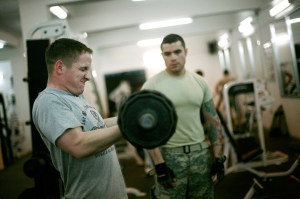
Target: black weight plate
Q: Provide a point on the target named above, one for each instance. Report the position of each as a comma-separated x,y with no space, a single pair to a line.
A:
147,101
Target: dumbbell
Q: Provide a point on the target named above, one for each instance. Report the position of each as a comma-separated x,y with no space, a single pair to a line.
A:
147,119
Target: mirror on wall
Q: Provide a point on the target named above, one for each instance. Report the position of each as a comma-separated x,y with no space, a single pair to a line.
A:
294,21
286,42
249,53
249,48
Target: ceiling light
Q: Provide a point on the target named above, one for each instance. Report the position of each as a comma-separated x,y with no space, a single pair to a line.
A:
223,41
149,42
2,43
279,8
246,27
246,21
59,11
295,20
166,23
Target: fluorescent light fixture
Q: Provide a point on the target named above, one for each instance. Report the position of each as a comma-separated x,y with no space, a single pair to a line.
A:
246,27
296,20
166,23
223,41
246,21
279,8
2,43
84,35
59,11
149,42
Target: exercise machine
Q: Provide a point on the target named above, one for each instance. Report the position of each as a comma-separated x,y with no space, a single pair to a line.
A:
5,136
244,135
245,140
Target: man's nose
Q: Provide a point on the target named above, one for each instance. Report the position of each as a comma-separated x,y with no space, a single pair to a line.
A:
88,76
173,56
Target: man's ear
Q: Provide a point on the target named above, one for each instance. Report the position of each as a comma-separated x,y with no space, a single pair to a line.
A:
58,66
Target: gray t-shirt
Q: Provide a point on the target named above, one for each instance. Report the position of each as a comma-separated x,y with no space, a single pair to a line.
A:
96,176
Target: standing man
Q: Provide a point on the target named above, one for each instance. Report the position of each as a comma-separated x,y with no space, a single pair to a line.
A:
220,85
80,141
184,166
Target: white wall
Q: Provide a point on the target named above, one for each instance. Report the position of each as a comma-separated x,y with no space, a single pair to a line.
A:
131,57
19,71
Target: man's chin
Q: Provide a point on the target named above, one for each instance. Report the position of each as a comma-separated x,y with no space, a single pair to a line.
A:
79,92
176,70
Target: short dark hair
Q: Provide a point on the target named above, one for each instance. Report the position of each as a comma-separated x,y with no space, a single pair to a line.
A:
200,72
226,72
172,38
65,49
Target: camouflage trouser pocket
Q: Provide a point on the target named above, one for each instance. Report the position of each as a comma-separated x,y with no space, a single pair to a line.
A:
192,172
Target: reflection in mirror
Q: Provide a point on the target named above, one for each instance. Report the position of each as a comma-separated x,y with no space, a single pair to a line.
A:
249,49
294,21
224,52
250,59
284,34
245,51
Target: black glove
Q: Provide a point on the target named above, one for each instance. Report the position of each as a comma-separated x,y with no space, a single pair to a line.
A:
165,175
218,167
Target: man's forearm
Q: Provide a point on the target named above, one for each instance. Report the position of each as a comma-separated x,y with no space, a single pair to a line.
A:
156,155
111,121
216,136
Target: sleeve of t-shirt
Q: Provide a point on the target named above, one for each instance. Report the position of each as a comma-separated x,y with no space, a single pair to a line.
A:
207,93
147,86
52,116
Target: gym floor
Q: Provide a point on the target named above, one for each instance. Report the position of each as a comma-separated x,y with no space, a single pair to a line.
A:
234,186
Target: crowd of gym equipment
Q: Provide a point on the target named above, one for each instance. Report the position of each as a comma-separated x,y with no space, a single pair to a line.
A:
5,135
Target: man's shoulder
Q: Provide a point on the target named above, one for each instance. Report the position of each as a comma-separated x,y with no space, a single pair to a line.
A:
196,77
154,79
50,95
159,75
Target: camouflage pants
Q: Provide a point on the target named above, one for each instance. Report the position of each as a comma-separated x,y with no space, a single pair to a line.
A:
193,177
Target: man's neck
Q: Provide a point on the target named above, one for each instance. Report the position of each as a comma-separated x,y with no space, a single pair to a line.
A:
177,74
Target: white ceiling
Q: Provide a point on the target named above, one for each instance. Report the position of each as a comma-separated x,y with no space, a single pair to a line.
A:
116,21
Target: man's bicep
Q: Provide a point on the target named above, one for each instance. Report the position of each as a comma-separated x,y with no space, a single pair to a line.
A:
68,139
